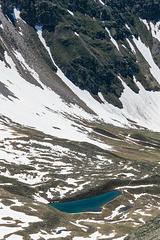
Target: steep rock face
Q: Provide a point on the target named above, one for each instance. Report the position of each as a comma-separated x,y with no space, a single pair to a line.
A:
89,41
28,45
111,53
149,231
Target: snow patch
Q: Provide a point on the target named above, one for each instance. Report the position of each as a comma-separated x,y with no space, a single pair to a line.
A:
96,235
112,39
128,27
70,12
131,46
60,233
76,34
155,30
136,196
146,53
1,26
16,14
22,218
14,237
38,198
50,107
145,23
102,2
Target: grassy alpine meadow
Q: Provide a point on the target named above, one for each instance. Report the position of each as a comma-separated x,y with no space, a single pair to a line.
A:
76,170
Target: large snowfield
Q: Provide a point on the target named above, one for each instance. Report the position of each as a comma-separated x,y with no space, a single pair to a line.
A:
42,109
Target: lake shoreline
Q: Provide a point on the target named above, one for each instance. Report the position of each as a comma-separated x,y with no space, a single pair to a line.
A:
92,204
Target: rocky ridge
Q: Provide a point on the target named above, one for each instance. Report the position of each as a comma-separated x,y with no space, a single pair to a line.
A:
80,36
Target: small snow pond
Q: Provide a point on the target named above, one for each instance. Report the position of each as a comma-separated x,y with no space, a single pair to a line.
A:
92,204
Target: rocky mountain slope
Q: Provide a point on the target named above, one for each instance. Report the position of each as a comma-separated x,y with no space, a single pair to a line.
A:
79,116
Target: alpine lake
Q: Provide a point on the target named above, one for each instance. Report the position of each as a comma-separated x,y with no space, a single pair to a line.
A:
92,204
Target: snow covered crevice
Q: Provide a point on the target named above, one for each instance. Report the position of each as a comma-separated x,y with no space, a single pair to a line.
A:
131,46
112,39
143,108
155,30
146,53
34,106
102,2
70,12
26,67
145,23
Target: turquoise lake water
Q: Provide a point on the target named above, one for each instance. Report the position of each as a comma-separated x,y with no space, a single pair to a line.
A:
92,204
